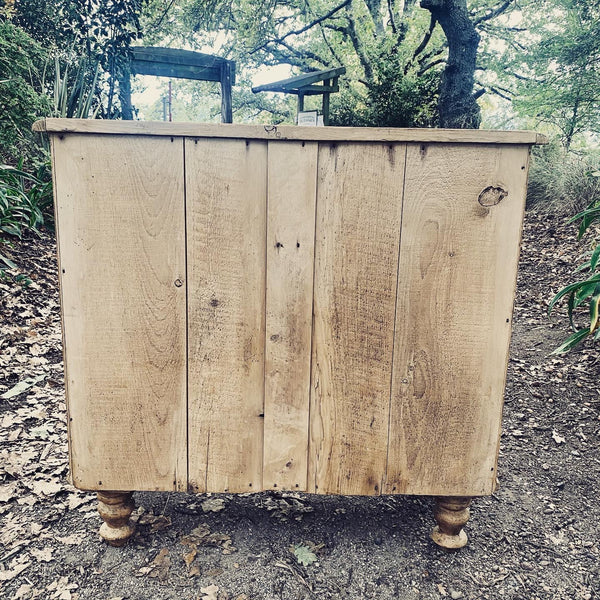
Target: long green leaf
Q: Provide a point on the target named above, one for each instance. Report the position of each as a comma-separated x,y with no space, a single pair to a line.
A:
595,257
571,310
572,341
594,307
584,292
573,287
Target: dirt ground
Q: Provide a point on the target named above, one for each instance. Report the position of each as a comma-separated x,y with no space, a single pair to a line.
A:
536,538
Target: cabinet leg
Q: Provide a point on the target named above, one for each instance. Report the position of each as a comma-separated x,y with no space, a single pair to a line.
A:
451,515
115,508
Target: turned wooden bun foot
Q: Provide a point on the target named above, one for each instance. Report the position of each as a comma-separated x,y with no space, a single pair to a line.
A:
451,515
115,508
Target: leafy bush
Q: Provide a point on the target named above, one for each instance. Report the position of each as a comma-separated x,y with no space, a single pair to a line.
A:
25,204
561,182
586,290
25,198
22,96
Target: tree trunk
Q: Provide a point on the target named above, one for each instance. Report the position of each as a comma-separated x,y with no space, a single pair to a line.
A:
457,106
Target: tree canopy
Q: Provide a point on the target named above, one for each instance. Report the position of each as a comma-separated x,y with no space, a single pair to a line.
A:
408,62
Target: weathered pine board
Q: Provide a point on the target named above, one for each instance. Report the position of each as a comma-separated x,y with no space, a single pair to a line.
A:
458,264
290,132
121,233
226,188
359,206
292,173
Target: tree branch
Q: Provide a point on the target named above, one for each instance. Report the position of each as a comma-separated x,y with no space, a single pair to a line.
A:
305,28
426,38
430,65
491,14
322,29
359,48
162,17
391,17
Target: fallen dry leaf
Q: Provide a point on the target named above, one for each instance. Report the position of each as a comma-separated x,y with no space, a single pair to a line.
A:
71,540
213,505
156,522
18,565
189,557
44,555
26,592
159,567
210,592
61,589
22,386
8,491
47,487
201,536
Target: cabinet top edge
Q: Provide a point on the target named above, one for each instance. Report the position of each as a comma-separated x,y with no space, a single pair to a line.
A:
288,132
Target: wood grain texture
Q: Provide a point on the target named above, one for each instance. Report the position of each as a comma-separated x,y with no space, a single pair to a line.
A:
120,215
359,204
290,132
458,265
226,187
290,257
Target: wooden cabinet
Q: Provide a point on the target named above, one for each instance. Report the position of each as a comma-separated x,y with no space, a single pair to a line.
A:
318,309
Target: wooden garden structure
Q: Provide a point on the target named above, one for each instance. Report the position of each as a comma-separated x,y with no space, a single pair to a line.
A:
315,83
324,310
184,64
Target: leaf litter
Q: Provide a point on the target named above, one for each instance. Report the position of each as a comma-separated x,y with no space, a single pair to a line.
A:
539,517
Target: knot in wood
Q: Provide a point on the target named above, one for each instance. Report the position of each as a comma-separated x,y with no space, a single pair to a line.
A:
492,195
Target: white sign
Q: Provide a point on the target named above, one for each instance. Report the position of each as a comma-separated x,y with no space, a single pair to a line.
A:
307,118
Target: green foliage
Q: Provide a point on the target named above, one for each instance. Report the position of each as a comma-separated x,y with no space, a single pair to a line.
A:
561,182
560,69
389,54
25,204
304,555
25,199
22,93
73,97
585,291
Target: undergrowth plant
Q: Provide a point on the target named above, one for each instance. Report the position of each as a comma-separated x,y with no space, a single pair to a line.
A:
585,291
25,204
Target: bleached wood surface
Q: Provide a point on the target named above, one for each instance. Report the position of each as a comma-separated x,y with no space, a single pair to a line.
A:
330,316
121,241
289,132
226,185
292,169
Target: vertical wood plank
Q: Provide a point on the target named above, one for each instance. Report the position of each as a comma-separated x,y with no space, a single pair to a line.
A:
121,238
290,257
458,265
226,192
359,204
